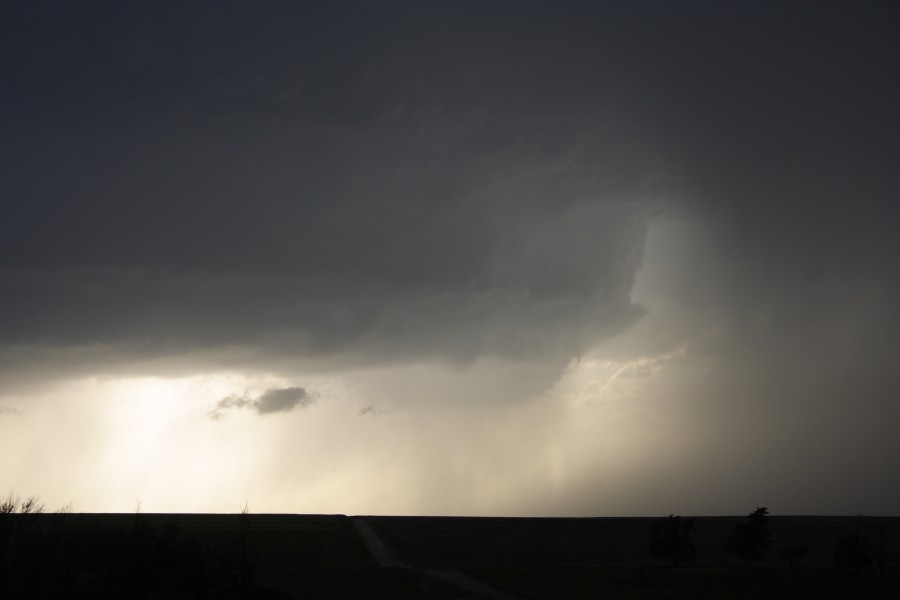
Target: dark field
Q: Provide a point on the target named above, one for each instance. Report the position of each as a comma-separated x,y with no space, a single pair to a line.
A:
319,556
609,557
442,541
197,556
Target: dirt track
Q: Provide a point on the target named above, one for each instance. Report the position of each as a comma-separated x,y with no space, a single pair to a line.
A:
375,545
385,558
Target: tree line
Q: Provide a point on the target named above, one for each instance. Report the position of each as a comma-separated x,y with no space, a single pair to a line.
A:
672,537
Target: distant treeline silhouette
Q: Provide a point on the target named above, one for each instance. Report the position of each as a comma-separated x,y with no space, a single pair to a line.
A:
672,537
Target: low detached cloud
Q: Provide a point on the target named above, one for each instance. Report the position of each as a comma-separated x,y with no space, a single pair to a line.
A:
274,400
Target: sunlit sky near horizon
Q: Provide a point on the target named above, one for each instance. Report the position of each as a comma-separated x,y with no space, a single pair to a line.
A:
459,258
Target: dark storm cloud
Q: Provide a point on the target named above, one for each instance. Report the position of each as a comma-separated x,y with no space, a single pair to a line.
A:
305,187
383,191
431,181
273,400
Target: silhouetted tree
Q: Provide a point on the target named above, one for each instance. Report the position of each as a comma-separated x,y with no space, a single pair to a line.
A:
671,537
750,539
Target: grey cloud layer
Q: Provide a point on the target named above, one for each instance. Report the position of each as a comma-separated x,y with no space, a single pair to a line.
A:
324,204
394,182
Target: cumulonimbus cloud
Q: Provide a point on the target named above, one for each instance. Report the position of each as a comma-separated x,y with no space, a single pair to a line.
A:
399,226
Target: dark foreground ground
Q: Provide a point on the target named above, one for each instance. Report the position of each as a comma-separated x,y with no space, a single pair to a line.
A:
609,557
322,556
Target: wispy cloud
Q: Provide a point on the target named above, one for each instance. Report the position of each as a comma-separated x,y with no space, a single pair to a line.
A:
372,411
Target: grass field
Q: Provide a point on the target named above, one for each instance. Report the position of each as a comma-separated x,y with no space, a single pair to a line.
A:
197,556
443,541
322,556
739,582
562,559
308,541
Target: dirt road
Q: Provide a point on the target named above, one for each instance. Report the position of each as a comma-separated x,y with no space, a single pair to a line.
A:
385,558
375,545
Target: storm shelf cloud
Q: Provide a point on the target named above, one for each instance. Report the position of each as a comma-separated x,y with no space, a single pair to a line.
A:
594,234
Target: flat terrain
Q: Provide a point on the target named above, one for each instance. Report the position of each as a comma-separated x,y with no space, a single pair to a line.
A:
325,556
609,557
198,556
617,541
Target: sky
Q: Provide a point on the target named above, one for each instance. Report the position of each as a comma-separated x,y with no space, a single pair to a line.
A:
451,258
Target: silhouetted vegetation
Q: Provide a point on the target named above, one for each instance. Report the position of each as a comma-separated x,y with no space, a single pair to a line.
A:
670,537
750,540
62,555
241,564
